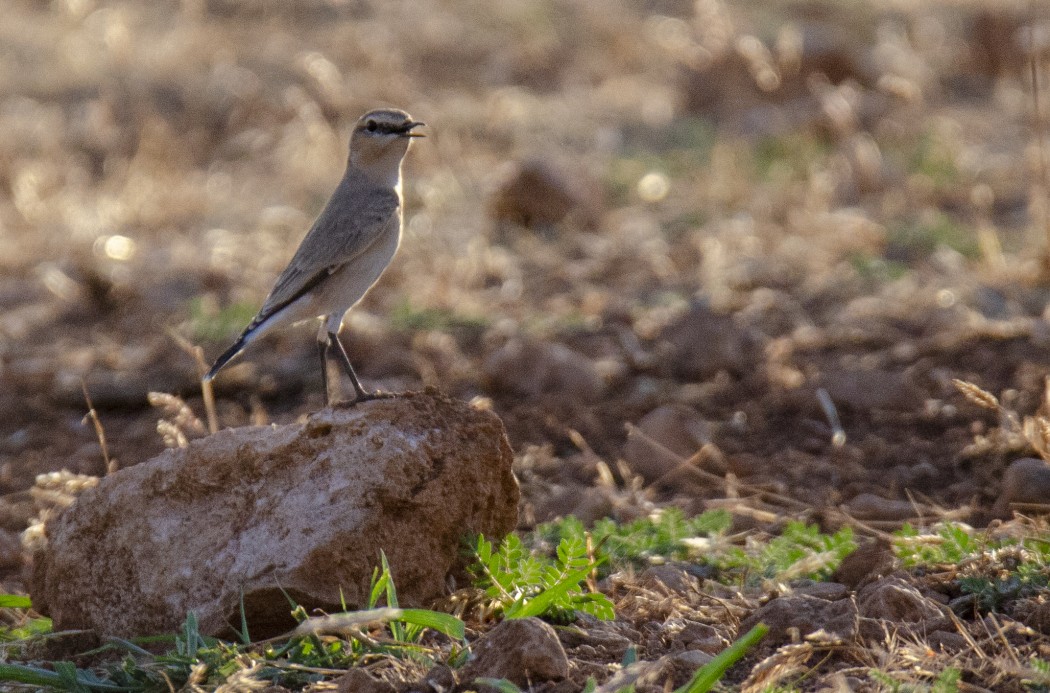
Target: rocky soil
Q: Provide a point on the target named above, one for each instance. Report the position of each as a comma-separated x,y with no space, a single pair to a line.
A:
696,254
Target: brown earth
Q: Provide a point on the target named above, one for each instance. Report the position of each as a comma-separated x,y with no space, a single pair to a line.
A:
761,238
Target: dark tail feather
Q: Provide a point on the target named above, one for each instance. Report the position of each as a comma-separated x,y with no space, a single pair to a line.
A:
229,354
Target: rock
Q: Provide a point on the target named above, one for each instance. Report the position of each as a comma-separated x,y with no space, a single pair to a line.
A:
533,367
828,591
870,561
868,506
806,615
524,651
863,390
947,642
702,342
694,636
669,579
895,600
642,675
306,508
666,437
686,664
537,195
440,679
1026,481
608,640
358,680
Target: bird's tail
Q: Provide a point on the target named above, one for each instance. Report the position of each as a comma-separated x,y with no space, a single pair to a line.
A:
230,353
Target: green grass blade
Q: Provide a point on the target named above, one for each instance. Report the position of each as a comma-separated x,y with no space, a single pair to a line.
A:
35,676
244,635
336,623
446,624
15,601
501,685
543,601
709,674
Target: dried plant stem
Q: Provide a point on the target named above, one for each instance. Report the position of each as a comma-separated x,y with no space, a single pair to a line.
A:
111,464
1044,165
207,393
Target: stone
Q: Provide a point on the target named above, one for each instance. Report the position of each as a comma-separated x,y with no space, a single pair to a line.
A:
524,651
1026,482
642,675
670,434
828,591
868,506
669,579
862,390
358,680
538,195
305,508
702,342
532,367
805,614
869,561
895,600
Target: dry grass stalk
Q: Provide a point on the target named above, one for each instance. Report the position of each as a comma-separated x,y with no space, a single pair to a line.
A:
207,392
982,398
179,424
786,662
100,432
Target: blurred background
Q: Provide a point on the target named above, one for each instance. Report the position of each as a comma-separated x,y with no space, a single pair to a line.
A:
676,246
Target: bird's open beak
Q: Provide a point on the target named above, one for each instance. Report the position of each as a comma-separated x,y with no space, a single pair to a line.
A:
409,133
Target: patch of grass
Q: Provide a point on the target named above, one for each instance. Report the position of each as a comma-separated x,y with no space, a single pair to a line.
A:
789,157
994,571
319,649
801,551
521,583
408,318
946,682
951,543
877,268
702,681
933,158
659,538
924,238
209,323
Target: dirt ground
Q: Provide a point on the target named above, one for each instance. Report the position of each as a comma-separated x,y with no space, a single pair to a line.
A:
716,254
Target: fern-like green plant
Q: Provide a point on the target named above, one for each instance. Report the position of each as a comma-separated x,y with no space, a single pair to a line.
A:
521,584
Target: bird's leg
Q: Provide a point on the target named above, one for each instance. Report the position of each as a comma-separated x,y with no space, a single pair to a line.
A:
322,349
362,395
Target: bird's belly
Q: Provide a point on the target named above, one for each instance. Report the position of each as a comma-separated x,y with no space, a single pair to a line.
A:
348,285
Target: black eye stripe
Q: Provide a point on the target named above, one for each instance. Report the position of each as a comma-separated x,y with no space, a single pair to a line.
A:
388,128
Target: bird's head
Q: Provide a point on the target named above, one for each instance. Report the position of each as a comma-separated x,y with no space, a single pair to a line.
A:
381,138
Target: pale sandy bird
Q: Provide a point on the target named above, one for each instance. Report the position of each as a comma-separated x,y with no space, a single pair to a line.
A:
348,246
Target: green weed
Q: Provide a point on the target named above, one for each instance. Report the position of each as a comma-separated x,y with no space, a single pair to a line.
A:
946,682
922,239
801,551
209,323
661,537
318,648
522,584
407,318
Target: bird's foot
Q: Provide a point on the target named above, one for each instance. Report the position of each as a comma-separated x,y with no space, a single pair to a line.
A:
363,396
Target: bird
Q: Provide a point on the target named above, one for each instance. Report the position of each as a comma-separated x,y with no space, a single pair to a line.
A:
349,245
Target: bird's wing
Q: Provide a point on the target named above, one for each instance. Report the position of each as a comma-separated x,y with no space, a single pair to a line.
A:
348,226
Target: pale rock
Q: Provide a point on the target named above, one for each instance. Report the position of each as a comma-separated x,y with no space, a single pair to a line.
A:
523,651
304,508
1026,482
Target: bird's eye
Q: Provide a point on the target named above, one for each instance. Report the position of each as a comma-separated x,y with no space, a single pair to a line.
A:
371,126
